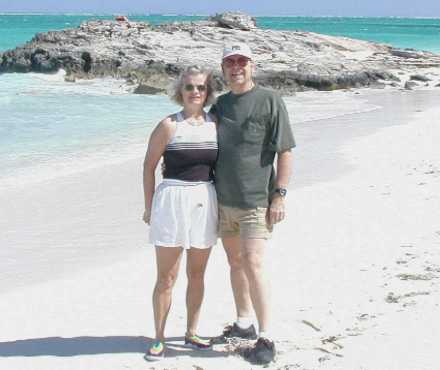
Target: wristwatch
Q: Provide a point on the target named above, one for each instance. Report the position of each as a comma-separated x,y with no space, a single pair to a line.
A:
281,191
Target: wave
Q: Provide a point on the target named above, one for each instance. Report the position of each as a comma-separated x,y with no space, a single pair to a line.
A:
41,84
335,115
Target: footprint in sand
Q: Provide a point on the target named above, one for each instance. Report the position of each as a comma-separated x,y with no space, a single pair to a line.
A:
394,298
428,276
432,268
365,317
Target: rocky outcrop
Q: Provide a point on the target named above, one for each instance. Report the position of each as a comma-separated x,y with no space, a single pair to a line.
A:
409,85
150,57
420,78
238,20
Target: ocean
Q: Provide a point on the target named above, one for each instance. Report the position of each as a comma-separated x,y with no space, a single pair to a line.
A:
50,128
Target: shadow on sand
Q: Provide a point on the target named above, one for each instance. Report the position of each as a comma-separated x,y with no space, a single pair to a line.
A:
77,346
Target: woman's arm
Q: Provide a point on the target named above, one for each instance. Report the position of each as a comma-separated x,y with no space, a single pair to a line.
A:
157,143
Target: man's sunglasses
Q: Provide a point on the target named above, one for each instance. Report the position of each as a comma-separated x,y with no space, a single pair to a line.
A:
230,62
191,87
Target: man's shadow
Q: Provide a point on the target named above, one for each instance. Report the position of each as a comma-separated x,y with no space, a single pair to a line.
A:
77,346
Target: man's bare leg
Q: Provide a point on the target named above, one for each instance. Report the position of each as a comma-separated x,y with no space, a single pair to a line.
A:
239,281
252,259
197,260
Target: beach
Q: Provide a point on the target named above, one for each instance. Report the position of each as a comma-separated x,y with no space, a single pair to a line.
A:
353,269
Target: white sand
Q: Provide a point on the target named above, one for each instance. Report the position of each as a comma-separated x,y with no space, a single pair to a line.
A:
363,225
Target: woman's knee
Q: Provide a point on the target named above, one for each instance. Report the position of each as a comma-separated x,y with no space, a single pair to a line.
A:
166,282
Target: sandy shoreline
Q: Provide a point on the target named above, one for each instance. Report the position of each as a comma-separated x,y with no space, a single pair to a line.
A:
354,270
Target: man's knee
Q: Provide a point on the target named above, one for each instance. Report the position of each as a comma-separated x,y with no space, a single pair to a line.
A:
233,253
235,261
195,275
253,257
253,263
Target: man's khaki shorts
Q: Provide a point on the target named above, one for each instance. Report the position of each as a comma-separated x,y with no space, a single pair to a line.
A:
248,223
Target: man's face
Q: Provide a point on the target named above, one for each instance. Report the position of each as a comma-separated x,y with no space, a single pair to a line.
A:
237,70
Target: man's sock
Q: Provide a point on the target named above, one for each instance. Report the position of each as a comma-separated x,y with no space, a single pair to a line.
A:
244,322
264,334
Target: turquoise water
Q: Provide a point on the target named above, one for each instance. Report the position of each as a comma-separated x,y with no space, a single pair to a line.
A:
423,34
50,128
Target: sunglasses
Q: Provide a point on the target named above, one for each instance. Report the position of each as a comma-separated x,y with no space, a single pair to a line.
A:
191,87
241,62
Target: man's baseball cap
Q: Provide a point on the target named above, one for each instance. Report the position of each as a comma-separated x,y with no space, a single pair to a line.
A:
238,48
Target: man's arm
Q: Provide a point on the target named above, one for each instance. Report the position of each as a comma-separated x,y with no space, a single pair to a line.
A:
284,170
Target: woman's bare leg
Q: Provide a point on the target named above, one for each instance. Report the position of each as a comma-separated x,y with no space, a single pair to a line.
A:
168,261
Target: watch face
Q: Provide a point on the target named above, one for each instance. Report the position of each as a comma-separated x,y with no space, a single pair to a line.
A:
282,192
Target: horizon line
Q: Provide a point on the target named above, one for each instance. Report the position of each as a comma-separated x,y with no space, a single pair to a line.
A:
91,14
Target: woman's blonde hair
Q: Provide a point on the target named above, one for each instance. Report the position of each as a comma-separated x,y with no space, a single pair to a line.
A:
176,90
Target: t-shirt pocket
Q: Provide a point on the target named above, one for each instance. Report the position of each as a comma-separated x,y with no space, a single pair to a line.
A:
254,132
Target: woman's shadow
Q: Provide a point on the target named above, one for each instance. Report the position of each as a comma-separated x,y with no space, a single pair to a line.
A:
77,346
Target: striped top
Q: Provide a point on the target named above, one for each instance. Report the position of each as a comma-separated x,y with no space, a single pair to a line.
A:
192,152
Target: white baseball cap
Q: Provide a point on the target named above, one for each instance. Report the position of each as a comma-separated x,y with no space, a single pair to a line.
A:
238,48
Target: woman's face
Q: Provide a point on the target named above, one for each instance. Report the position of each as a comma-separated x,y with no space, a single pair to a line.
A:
194,90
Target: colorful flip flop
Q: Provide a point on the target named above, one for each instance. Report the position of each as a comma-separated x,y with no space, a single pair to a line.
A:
195,342
156,352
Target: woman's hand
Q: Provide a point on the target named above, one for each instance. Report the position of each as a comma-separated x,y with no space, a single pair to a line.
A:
146,217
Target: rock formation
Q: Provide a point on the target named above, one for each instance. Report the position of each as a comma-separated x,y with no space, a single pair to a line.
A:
149,57
238,20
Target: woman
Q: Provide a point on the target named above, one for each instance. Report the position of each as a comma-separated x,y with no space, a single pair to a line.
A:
182,211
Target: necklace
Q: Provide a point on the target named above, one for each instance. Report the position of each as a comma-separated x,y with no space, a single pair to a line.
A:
195,121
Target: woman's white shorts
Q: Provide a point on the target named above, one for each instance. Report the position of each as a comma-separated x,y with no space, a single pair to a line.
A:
184,215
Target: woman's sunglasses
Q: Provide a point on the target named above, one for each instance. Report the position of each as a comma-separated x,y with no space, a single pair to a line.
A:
191,87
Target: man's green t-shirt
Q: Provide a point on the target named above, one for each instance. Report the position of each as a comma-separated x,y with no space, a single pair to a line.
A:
252,127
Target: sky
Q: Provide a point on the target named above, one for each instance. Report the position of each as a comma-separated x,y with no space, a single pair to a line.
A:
367,8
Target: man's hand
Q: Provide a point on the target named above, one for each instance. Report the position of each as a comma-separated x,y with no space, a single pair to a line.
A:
146,217
276,210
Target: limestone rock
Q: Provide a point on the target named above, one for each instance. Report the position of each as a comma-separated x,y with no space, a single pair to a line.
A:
408,53
69,78
150,90
236,20
409,85
419,78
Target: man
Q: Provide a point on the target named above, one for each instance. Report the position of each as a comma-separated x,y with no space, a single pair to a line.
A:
253,128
